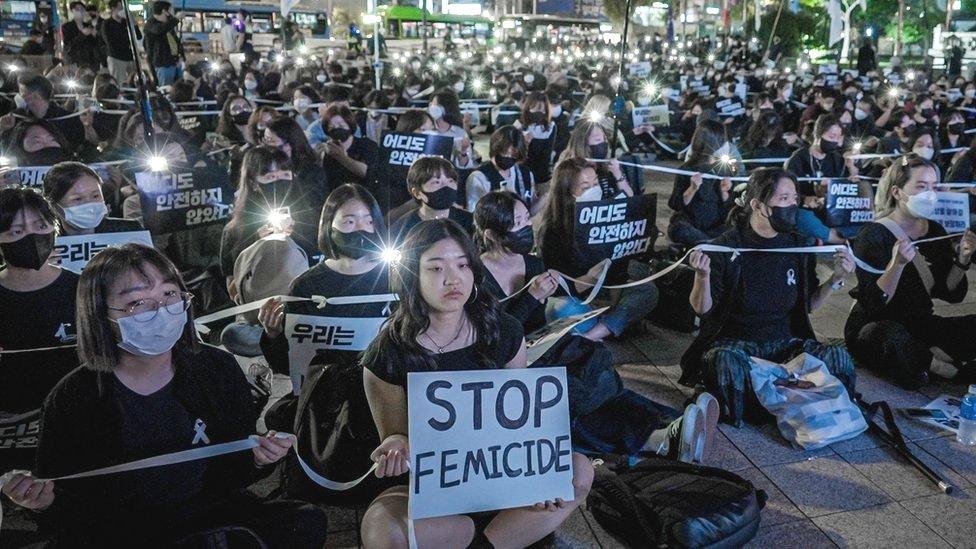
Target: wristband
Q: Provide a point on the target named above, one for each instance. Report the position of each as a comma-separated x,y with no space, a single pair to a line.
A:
963,266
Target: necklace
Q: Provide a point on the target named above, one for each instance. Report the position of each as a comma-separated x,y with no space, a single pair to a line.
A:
440,348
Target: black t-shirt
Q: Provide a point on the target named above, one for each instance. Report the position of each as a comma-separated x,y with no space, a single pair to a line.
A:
406,222
153,425
508,345
803,164
362,150
323,281
767,292
34,320
522,307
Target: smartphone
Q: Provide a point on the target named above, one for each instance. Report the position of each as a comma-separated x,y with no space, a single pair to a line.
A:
924,413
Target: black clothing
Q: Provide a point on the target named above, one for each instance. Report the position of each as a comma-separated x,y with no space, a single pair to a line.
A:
31,47
118,225
323,281
707,211
523,307
865,60
726,288
803,164
767,293
509,343
402,226
363,150
115,35
157,42
523,179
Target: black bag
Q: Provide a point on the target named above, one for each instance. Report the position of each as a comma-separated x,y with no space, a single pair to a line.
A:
673,309
336,436
661,502
590,375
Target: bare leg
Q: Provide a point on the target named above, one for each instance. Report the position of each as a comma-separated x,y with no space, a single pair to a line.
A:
525,526
385,525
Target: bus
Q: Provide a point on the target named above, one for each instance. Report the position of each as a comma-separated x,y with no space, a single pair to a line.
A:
406,22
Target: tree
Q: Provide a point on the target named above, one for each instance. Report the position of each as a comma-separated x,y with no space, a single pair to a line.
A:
615,9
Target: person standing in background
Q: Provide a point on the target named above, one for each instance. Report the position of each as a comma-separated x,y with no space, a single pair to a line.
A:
115,35
162,46
866,60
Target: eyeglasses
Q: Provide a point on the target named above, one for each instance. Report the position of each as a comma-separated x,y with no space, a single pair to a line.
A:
173,302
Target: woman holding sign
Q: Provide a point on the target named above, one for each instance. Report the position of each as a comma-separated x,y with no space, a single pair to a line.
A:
76,192
588,140
893,325
445,323
37,311
148,388
758,304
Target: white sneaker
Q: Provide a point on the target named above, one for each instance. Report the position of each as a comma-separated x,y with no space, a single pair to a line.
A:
709,406
686,434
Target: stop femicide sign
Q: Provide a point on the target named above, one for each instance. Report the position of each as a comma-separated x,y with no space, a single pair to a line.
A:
482,440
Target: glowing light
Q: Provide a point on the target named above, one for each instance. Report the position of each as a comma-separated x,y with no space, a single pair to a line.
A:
856,147
805,66
71,84
477,84
434,67
390,255
594,116
615,81
158,164
300,61
893,92
910,75
725,159
4,161
649,89
303,49
13,68
279,58
397,71
279,219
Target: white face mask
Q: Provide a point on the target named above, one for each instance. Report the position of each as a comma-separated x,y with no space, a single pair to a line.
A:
321,78
302,104
459,86
860,114
970,93
528,78
557,110
412,91
436,112
153,337
787,93
593,194
86,216
925,152
643,101
415,66
250,85
20,102
922,204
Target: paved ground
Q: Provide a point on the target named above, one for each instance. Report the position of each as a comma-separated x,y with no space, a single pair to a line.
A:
858,493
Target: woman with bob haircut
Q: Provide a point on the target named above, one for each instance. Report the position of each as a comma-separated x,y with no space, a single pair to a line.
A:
445,322
146,387
75,191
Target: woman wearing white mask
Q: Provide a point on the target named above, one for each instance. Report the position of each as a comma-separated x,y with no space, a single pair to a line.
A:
75,190
148,388
893,325
575,180
302,99
540,134
445,109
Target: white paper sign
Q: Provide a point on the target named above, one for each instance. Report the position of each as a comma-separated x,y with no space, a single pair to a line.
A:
306,334
952,211
640,69
651,115
75,252
541,340
482,440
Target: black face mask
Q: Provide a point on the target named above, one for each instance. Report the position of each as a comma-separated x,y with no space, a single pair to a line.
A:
241,118
927,113
339,134
275,191
957,128
441,199
47,156
829,146
504,162
783,218
521,241
538,118
518,95
600,151
356,244
30,252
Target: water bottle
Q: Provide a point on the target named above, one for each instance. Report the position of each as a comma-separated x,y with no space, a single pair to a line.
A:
967,418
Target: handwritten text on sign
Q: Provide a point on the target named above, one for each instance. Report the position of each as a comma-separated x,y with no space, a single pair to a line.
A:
952,211
175,201
76,251
615,228
488,439
307,334
848,203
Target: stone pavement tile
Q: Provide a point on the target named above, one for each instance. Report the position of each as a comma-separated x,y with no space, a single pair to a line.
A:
896,476
938,387
662,346
825,485
881,527
647,380
673,373
962,459
779,509
725,455
862,441
764,445
952,517
625,352
802,533
604,539
575,532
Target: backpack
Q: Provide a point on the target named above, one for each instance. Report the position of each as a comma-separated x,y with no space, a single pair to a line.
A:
666,503
336,436
591,378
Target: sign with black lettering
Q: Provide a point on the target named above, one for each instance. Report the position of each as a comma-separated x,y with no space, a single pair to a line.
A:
848,203
652,115
615,229
400,150
74,252
639,69
952,211
20,431
307,334
33,176
482,440
177,201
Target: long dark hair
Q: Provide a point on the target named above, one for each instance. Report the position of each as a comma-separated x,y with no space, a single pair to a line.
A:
761,186
397,340
225,123
257,161
495,211
339,196
765,130
448,98
558,219
290,132
707,139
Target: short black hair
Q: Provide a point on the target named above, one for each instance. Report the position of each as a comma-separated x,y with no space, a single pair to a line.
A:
38,83
75,4
60,178
160,6
338,197
15,199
